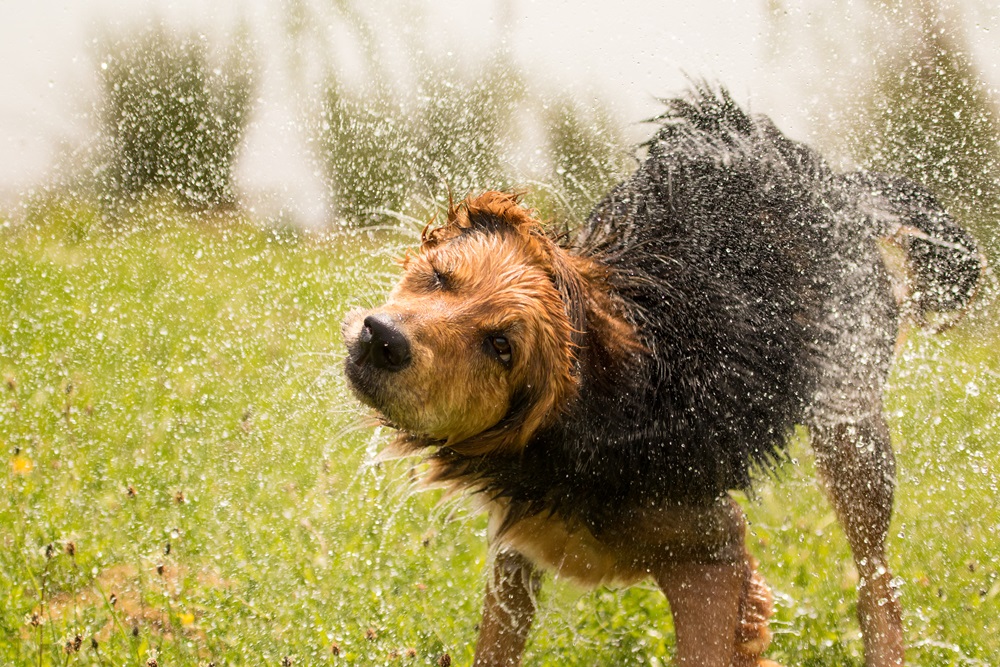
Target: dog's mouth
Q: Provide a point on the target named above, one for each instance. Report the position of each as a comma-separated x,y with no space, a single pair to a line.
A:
372,388
360,380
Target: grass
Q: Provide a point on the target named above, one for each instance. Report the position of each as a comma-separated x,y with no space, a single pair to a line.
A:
185,478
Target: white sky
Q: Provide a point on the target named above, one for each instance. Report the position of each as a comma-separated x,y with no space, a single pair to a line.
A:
626,51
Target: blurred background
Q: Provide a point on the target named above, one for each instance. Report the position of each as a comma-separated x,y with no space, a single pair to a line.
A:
907,86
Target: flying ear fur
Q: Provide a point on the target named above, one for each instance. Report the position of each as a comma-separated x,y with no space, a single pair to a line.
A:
491,211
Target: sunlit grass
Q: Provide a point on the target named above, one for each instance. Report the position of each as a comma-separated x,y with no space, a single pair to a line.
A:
185,478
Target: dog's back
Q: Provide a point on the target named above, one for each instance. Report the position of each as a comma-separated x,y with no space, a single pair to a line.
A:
754,275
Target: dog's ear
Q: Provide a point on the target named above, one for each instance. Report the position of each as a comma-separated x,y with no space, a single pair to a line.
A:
570,285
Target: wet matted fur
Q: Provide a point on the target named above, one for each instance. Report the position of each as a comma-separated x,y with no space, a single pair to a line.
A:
603,391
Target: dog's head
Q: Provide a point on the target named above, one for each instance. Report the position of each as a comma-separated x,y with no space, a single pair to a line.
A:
476,346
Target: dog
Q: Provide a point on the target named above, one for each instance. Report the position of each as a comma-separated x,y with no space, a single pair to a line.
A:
603,392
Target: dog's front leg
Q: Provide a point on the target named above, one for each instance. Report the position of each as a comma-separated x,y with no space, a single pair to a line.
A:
720,605
720,614
704,600
508,611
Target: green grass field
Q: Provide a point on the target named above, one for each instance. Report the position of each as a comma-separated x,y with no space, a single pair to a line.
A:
185,478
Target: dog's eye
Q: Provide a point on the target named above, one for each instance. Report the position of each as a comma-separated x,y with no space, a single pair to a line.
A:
440,278
500,347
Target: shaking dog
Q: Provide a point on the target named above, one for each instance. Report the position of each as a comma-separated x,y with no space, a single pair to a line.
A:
603,392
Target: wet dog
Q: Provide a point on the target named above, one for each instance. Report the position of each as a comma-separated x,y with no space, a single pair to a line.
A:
603,392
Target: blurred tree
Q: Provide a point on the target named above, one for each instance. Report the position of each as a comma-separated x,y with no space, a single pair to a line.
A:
587,156
386,150
895,87
172,119
463,126
395,143
363,151
927,114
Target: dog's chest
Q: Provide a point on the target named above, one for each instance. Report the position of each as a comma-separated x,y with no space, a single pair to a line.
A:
566,549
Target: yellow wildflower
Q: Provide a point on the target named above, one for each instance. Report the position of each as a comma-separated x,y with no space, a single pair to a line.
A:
21,464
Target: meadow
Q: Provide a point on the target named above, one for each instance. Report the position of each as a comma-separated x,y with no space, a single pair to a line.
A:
187,481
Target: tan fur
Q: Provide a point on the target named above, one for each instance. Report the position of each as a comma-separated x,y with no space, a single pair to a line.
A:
569,551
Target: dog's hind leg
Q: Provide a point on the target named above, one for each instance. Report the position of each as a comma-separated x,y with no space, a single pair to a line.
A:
857,467
753,634
508,611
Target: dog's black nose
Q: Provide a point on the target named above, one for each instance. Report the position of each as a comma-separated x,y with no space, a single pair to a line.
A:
383,344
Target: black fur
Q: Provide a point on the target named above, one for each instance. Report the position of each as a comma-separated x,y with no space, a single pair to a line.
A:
752,272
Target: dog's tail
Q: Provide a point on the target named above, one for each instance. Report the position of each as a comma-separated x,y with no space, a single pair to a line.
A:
944,264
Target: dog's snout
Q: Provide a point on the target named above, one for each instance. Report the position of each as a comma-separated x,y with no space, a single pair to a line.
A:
383,344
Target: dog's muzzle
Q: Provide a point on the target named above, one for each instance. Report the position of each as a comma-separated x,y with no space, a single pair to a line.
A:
381,345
